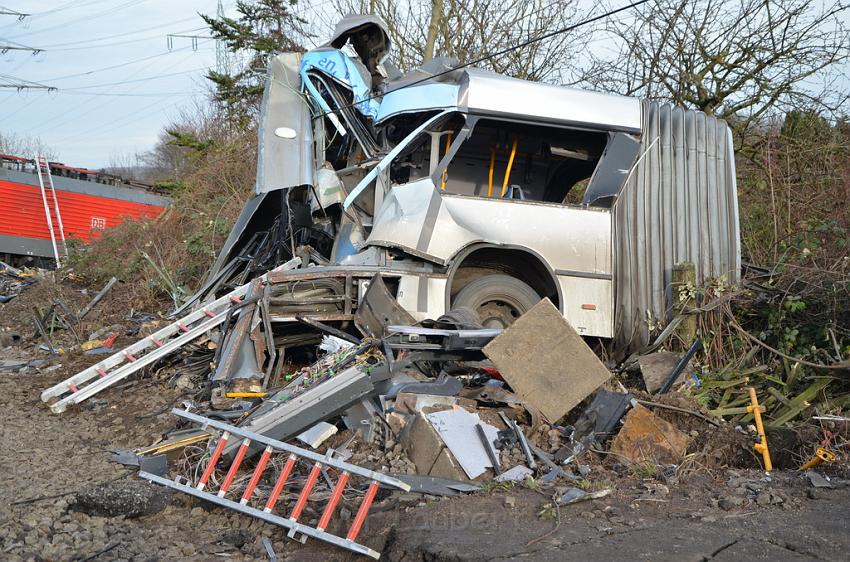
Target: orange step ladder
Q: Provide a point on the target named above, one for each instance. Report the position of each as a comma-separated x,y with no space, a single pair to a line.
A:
266,510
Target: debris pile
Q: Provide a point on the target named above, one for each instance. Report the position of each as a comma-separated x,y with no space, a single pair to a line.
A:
13,281
307,408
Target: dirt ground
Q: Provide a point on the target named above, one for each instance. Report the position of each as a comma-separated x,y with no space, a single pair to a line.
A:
48,460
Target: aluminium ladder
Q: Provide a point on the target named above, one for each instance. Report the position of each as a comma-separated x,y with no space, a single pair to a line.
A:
265,511
51,209
122,364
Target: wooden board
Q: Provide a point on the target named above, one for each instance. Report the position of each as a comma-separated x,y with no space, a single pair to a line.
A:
546,361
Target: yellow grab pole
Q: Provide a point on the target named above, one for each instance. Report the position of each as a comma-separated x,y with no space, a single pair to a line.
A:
508,170
445,175
761,446
492,169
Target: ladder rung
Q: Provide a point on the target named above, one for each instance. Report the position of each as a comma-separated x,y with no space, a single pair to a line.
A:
209,313
333,501
156,342
235,299
305,492
258,472
281,482
362,512
182,326
129,356
213,460
73,387
101,372
231,474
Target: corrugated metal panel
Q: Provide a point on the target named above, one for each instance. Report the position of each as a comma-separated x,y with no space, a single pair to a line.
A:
22,212
680,204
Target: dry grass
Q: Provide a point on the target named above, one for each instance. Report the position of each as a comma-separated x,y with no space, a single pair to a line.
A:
171,253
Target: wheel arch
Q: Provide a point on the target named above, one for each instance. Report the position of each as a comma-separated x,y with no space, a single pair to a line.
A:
479,259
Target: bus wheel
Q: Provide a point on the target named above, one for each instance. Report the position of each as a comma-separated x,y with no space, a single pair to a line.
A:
498,299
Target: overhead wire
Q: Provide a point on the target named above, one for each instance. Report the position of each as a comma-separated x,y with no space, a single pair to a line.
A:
67,6
498,53
124,34
127,95
157,77
141,113
116,44
121,65
101,105
36,98
51,119
84,18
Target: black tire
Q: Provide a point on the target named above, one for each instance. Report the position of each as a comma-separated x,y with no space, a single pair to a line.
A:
497,299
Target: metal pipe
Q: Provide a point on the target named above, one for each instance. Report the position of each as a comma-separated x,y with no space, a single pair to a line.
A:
680,366
761,446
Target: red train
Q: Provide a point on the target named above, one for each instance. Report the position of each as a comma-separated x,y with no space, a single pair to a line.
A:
89,201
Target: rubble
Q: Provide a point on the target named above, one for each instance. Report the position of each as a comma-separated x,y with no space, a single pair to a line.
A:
13,281
458,430
126,498
646,438
655,368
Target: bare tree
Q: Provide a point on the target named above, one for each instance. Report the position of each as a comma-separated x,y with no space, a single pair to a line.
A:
469,29
28,147
737,59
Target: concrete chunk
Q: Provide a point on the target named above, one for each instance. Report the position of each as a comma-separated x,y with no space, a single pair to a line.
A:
655,369
546,361
317,434
646,438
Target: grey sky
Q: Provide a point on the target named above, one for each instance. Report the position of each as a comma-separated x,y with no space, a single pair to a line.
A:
99,111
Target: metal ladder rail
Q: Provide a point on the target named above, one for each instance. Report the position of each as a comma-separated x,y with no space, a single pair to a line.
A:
47,213
64,251
109,378
214,312
266,514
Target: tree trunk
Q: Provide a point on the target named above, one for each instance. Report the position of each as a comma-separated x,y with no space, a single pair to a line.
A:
433,29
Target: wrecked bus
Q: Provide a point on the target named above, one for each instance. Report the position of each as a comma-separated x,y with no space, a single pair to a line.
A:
466,188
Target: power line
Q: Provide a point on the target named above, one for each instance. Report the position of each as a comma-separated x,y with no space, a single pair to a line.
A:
115,44
114,66
141,113
68,6
84,18
53,124
59,46
134,80
7,12
6,48
125,95
26,105
500,53
7,81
